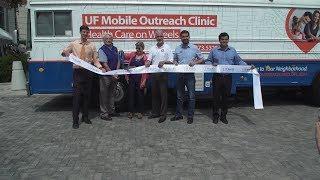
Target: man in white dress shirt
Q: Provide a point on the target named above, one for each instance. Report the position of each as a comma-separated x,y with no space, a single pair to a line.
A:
159,54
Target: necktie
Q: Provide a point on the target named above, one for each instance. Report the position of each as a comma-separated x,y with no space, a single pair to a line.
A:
82,53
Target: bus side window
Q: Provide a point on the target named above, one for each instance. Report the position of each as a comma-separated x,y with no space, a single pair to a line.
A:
53,23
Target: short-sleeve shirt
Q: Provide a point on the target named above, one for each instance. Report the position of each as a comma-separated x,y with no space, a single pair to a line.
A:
102,56
157,54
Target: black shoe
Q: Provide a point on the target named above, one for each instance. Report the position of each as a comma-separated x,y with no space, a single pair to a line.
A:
190,120
88,122
85,120
75,125
115,114
176,118
215,119
162,119
153,116
106,118
223,119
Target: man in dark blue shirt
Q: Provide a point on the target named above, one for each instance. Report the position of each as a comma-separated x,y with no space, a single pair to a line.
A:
222,55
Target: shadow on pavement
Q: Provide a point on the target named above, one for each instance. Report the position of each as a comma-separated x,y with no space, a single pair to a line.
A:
271,98
242,99
57,103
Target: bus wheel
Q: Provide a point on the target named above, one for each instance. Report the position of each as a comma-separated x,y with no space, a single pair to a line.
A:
121,94
316,91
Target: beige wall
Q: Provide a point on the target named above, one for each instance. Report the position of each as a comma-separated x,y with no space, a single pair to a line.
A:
9,17
11,20
22,16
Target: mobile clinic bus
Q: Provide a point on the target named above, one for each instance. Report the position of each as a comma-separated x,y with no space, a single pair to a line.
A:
269,34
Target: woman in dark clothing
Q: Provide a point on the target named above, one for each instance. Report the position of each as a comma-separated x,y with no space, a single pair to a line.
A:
311,29
137,82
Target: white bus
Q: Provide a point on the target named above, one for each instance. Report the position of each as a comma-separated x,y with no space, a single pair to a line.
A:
272,35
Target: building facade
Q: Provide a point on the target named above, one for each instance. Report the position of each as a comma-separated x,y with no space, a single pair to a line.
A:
12,19
7,25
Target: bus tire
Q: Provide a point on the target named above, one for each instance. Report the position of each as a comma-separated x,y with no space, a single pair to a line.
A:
121,94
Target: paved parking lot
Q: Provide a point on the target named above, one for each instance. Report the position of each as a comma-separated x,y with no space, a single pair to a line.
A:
38,142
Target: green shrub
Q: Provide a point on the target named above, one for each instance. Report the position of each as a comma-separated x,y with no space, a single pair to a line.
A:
6,65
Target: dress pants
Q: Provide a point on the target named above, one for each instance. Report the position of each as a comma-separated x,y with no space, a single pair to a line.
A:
221,91
107,93
82,81
159,94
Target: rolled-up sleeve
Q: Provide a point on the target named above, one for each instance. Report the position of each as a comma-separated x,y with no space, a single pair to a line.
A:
210,58
151,55
175,56
150,58
68,48
170,55
238,60
95,57
198,53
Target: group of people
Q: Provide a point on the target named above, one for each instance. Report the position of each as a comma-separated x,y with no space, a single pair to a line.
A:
307,26
106,59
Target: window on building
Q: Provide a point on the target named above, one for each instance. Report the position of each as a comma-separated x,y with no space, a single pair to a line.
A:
53,23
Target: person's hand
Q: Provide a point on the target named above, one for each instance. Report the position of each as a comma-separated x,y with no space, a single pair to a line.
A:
161,63
192,63
175,63
115,77
102,69
148,63
252,67
65,54
143,85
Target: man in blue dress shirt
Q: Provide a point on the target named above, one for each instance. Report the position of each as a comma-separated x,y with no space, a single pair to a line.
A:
186,53
222,55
